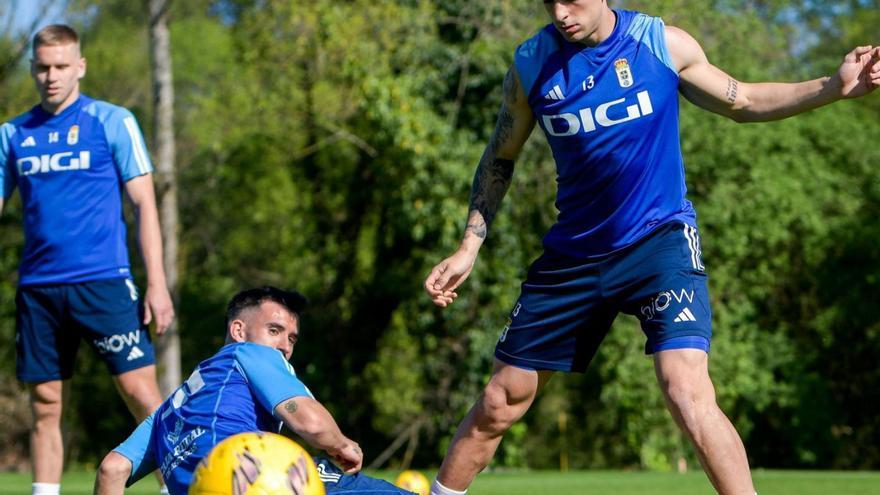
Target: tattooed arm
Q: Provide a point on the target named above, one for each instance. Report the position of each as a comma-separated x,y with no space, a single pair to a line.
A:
711,88
311,421
495,171
491,181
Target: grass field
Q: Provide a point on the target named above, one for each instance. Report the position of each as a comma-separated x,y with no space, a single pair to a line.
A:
571,483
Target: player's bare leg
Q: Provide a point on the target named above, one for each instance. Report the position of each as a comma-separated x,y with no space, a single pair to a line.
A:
47,447
508,395
140,391
112,475
683,375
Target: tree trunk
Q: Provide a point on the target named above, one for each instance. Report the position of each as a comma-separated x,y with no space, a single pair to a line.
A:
168,346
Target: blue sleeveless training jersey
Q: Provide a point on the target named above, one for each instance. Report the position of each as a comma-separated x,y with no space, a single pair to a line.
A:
610,114
232,392
69,169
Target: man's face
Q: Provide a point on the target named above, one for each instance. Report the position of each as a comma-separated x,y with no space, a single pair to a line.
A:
56,70
577,20
270,324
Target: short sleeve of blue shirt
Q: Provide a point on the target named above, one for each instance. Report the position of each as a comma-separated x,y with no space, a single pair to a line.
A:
138,448
125,139
271,377
7,175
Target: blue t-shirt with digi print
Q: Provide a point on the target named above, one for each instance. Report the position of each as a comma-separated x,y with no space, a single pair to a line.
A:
70,169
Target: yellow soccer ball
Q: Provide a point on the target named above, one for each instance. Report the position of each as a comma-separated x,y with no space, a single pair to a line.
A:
256,464
413,481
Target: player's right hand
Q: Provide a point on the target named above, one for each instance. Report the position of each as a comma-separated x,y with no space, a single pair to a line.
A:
448,275
350,457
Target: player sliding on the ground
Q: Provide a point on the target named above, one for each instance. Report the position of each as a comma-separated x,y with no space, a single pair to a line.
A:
603,85
247,386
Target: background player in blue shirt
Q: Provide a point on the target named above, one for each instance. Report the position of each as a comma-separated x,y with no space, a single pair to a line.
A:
603,85
249,385
70,158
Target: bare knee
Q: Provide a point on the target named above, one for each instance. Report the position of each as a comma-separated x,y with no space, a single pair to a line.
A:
499,409
114,469
690,402
46,404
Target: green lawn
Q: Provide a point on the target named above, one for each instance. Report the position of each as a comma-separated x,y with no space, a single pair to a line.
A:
574,483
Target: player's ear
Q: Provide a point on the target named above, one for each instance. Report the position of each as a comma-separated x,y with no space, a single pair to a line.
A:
236,331
82,68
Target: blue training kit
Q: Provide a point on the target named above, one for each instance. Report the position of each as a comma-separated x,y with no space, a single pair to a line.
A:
74,279
69,169
52,319
626,236
567,305
234,391
338,483
610,114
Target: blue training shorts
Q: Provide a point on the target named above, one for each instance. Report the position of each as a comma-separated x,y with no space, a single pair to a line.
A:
51,320
567,305
337,482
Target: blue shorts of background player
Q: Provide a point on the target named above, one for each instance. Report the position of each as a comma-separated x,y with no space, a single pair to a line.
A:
52,319
567,306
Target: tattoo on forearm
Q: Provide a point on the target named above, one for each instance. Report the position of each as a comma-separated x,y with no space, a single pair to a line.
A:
731,91
490,185
494,174
290,406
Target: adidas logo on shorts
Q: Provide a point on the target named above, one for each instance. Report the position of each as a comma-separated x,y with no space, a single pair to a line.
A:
685,315
135,353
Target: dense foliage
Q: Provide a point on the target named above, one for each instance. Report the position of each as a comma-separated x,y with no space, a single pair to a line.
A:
330,146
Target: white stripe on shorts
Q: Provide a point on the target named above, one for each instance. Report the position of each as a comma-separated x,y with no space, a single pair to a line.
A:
690,233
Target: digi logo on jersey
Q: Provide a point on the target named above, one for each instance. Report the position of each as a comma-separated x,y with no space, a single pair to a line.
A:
587,120
59,162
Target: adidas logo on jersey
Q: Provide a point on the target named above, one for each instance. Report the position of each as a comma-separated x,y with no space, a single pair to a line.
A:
555,94
135,353
685,315
30,141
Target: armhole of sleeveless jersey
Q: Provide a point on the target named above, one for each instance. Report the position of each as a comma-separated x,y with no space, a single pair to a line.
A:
530,57
7,172
651,32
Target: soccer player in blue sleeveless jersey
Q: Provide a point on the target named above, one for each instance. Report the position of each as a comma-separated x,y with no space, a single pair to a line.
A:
603,86
71,157
249,385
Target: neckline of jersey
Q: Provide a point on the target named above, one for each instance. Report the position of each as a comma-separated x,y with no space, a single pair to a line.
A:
589,51
73,107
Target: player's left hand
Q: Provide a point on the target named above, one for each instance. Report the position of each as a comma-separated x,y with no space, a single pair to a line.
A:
350,458
158,306
859,74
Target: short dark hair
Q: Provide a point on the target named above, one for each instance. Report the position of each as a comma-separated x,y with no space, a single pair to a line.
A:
55,34
251,298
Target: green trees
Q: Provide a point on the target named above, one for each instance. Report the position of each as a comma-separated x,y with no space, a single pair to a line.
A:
330,146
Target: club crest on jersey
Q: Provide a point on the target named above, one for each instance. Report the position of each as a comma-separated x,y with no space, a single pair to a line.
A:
624,73
73,135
